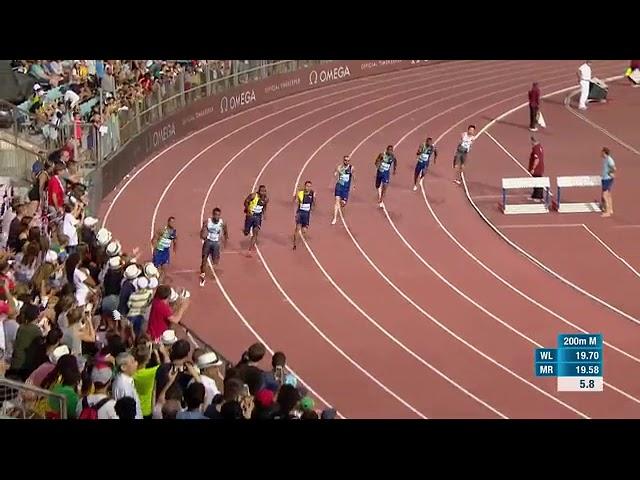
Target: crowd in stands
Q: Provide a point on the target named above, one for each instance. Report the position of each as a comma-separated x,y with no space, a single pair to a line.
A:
68,91
98,326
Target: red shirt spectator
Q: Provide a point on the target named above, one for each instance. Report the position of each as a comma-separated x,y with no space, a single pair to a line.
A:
534,96
159,317
55,189
536,160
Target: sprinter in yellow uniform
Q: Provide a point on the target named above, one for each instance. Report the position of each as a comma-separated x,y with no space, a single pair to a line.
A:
255,207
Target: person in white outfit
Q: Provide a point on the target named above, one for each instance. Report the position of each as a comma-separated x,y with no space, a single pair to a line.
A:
584,75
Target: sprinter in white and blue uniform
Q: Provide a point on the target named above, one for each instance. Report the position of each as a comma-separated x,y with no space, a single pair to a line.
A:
304,199
384,162
344,183
427,151
162,242
212,233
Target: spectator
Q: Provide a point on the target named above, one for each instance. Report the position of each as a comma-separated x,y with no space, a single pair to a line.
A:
274,378
53,351
162,317
264,405
100,400
194,399
78,331
108,83
247,370
26,263
288,398
144,378
131,273
28,332
209,364
127,408
55,189
179,364
123,385
138,303
63,380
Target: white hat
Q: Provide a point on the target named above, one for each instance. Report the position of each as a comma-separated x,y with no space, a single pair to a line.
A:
150,270
51,256
58,352
153,282
36,87
132,272
209,359
142,283
103,236
115,262
174,296
90,221
169,337
114,248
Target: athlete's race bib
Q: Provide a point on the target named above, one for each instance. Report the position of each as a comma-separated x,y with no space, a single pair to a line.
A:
257,210
344,178
423,157
384,166
213,236
305,207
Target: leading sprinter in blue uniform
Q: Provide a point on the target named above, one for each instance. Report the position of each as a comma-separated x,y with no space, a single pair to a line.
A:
427,151
344,182
384,161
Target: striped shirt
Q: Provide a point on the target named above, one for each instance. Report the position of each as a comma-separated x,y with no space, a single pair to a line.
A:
139,301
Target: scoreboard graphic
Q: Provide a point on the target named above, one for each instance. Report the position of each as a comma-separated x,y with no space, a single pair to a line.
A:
576,363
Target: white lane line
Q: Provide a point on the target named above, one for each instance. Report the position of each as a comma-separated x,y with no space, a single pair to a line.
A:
567,104
520,249
335,90
611,251
541,225
394,286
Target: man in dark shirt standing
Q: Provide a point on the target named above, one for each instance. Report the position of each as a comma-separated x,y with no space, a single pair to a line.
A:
536,166
534,107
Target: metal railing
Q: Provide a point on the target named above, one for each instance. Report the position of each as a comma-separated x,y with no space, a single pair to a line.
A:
23,401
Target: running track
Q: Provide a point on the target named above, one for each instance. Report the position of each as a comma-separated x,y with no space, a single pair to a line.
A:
417,310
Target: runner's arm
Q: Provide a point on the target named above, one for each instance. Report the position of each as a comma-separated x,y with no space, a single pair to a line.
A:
247,202
225,233
435,154
378,160
203,231
395,164
175,243
264,208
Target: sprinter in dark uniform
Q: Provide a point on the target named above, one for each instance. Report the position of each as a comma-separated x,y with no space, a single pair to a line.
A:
384,161
255,207
214,235
304,200
426,152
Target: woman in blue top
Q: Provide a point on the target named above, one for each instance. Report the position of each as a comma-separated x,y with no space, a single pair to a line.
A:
608,174
384,161
344,174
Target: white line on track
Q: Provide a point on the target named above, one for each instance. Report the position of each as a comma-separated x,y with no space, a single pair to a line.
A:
523,251
398,290
334,90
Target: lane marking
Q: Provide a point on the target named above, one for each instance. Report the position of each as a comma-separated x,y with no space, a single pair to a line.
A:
611,251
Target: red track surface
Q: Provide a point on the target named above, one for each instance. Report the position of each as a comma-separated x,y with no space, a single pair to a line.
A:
417,310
